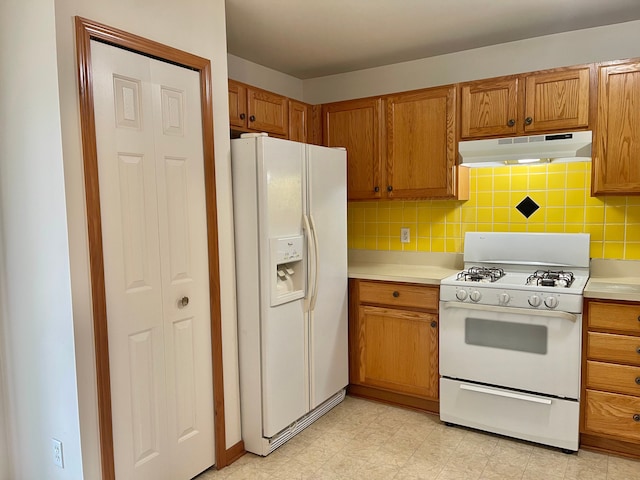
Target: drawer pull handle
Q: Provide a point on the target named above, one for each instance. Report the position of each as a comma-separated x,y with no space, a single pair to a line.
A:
639,318
638,350
396,294
636,417
637,380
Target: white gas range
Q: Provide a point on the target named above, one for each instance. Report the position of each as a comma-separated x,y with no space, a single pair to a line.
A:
510,336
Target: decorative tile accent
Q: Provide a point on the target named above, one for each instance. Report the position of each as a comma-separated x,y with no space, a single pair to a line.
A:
527,207
561,191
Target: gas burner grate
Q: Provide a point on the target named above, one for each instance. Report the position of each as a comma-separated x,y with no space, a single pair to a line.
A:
480,274
551,278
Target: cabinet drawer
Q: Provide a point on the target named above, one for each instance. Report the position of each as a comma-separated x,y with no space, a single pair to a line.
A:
612,414
613,348
615,316
399,295
617,378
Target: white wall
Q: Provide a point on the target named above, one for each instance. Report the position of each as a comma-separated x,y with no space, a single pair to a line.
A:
571,48
37,317
194,26
262,77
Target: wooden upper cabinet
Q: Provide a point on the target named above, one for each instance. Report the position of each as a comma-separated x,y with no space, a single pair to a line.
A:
237,104
267,111
421,144
489,108
356,125
558,100
255,110
616,143
299,121
548,101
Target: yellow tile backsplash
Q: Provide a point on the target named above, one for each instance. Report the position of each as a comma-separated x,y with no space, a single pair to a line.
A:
561,191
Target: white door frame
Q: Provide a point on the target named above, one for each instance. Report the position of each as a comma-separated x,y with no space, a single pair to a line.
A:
87,30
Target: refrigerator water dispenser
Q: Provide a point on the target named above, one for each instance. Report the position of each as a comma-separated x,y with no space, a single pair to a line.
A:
287,269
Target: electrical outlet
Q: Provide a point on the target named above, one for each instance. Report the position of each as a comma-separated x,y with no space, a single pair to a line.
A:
405,235
56,447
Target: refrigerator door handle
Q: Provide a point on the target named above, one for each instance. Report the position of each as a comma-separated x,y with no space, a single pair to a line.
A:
311,264
316,261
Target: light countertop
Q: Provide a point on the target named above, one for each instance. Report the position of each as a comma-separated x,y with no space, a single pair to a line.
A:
614,280
413,267
610,279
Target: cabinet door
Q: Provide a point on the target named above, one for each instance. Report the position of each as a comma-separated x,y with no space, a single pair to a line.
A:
489,108
557,101
616,145
237,104
267,112
398,351
421,144
356,125
299,120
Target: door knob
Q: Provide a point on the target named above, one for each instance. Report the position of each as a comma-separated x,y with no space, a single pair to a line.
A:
183,302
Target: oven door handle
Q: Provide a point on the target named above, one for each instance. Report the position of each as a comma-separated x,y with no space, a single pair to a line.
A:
518,311
500,393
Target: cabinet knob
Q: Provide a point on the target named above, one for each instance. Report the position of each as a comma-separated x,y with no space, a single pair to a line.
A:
637,380
511,122
528,121
252,118
376,189
243,116
639,318
389,188
183,302
638,350
396,294
434,324
636,417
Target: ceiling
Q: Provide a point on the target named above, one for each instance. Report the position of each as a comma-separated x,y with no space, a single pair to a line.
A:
314,38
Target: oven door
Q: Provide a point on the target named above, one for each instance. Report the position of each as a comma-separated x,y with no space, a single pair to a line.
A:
531,350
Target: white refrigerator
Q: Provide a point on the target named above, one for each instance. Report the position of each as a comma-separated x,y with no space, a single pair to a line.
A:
290,216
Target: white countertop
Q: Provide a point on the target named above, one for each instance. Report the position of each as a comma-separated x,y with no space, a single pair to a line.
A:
614,280
412,267
610,279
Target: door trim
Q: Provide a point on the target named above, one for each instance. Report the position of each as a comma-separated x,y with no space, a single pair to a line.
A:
87,30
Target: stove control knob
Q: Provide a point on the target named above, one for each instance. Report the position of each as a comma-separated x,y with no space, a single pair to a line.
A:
475,296
534,301
461,295
503,298
551,302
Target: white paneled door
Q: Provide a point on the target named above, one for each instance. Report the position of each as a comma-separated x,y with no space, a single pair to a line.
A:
152,200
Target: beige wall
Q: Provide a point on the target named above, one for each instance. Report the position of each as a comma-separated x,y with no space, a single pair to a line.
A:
571,48
37,318
248,72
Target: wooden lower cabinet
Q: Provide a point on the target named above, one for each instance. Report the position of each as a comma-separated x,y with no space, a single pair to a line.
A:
611,377
393,330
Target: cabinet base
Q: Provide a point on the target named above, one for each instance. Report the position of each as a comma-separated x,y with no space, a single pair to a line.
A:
608,445
394,398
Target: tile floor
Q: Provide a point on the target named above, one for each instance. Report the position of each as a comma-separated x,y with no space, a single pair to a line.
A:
366,440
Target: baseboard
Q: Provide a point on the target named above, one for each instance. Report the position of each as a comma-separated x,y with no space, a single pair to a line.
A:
393,398
233,453
608,445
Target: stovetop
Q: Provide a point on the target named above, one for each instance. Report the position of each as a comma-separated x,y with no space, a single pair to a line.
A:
524,270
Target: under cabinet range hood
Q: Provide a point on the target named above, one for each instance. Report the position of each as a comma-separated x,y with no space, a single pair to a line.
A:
556,147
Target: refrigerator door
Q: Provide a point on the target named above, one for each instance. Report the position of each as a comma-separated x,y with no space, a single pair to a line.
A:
327,211
283,327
